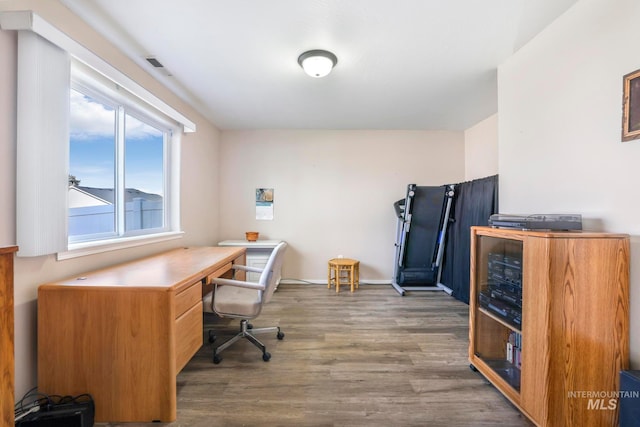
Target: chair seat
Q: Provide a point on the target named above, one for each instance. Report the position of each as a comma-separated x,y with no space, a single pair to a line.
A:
237,302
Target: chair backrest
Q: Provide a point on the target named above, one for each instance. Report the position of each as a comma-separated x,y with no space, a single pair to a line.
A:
226,305
271,273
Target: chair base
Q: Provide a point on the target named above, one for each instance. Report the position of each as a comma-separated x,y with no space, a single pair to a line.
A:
247,331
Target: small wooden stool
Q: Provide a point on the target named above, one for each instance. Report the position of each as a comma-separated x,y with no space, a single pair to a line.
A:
351,270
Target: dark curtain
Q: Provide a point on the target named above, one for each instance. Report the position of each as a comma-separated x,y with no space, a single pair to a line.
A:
474,203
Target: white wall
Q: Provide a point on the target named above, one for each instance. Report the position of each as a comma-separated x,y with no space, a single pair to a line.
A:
199,182
334,190
481,149
559,103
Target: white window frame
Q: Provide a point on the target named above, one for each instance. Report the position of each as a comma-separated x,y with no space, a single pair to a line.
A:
123,106
90,83
28,21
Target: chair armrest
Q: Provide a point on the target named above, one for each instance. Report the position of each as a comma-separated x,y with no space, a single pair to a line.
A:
245,268
238,283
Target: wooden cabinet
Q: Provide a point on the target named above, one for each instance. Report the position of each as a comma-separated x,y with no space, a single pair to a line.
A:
7,378
549,321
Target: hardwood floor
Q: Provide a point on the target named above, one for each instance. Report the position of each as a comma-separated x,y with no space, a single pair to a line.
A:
371,358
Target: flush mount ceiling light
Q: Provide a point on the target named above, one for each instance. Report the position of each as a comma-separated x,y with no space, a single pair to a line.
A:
317,63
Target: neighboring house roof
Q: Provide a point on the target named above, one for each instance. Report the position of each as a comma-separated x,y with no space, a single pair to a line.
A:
78,197
130,194
92,196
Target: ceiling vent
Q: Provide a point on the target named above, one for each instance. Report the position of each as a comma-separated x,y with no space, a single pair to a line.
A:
157,64
153,61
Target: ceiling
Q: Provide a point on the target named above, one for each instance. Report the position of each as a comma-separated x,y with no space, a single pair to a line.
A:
402,64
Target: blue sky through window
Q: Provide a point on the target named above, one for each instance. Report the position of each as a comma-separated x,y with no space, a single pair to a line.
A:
144,147
92,147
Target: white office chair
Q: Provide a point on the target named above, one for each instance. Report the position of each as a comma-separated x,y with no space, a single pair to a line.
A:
244,300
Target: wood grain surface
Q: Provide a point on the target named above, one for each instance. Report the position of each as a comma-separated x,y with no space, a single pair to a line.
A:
7,376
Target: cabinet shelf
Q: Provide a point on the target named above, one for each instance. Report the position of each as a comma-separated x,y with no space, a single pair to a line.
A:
507,371
499,320
569,291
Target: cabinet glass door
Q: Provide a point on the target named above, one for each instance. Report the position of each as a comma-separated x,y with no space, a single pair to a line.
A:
498,317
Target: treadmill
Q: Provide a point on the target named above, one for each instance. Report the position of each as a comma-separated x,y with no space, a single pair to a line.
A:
423,218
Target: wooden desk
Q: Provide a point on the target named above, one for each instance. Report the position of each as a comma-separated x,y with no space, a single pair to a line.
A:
123,333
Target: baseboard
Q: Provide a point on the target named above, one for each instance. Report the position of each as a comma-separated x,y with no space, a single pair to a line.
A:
324,282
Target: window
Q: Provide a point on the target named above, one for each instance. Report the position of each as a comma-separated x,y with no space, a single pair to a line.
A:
46,57
119,163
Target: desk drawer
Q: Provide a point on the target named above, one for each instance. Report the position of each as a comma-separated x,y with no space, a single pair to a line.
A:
187,298
220,272
224,271
188,335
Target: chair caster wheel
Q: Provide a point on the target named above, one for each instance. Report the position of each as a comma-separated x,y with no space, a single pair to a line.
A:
266,356
249,326
212,337
473,368
217,359
280,335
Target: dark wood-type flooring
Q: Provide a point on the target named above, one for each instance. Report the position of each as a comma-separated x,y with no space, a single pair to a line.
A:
369,358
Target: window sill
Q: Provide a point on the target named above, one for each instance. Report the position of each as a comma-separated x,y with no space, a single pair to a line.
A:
91,248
